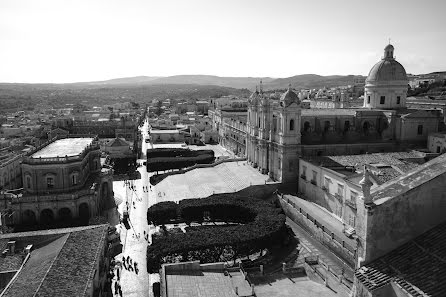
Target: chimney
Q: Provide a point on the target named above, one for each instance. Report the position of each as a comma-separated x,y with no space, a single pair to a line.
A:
28,249
11,247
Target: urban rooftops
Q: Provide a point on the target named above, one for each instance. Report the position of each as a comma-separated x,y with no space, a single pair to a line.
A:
64,147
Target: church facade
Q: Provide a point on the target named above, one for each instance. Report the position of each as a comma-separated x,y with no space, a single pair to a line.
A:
278,132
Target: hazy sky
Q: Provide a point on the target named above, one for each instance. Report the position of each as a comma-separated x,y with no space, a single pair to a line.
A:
68,41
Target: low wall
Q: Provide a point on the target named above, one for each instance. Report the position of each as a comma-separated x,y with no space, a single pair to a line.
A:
321,233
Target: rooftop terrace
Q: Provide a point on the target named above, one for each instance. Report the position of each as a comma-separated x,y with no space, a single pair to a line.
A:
63,147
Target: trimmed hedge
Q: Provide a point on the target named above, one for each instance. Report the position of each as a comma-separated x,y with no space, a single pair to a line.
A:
165,159
162,213
264,225
162,164
176,152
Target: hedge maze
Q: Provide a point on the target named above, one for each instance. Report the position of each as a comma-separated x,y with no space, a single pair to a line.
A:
253,225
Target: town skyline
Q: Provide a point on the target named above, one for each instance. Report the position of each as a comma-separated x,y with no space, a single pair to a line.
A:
63,42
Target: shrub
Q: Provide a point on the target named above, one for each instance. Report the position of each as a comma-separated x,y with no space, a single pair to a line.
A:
263,226
162,213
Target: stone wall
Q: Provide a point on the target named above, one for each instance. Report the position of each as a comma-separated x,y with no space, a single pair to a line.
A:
320,232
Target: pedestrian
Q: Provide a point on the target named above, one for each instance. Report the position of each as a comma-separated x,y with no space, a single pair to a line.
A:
116,288
118,274
128,259
120,291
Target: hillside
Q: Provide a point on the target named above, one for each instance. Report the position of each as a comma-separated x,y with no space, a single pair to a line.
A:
312,81
298,81
26,96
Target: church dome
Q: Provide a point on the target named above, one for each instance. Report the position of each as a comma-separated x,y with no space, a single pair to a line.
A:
289,97
388,69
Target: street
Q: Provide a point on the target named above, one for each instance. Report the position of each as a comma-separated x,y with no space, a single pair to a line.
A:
133,240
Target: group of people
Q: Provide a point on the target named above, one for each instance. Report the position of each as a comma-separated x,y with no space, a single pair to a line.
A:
129,264
146,189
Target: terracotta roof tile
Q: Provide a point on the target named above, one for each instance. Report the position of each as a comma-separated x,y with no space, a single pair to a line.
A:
61,263
418,266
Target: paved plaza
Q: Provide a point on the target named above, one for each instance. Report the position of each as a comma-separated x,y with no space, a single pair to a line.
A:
218,149
202,182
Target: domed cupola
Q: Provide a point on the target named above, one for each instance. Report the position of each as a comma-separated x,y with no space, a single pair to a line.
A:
386,84
289,97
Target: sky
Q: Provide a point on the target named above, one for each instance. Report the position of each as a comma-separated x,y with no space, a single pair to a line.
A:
56,41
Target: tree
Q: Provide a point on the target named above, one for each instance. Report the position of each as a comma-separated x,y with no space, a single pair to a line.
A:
158,110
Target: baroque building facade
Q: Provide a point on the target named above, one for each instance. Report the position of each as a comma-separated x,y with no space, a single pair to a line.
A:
62,179
278,132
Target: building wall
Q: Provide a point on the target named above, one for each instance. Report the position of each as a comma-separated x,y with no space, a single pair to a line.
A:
436,143
336,196
394,221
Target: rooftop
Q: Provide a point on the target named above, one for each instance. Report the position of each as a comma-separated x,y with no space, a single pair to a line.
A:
384,166
410,180
419,266
61,263
193,279
63,147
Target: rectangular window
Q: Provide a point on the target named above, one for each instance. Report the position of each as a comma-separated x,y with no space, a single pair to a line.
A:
352,220
353,196
368,99
382,100
304,170
420,129
50,182
340,190
398,99
327,183
314,179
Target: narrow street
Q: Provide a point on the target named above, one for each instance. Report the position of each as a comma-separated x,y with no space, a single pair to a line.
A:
133,240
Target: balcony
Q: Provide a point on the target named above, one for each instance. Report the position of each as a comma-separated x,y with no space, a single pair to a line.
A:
351,204
339,197
302,176
314,182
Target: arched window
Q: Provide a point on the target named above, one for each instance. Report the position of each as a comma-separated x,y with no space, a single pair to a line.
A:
291,125
50,181
75,178
29,184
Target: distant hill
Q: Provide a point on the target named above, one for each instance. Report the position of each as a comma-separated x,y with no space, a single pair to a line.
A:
312,81
232,82
122,81
207,80
298,81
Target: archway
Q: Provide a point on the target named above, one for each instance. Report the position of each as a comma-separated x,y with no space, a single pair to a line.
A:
46,216
307,127
346,126
65,214
29,217
366,127
84,211
326,126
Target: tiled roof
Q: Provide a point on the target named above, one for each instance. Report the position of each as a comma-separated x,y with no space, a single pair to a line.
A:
61,264
418,266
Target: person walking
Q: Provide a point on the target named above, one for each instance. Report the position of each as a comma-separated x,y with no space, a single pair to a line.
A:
116,288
